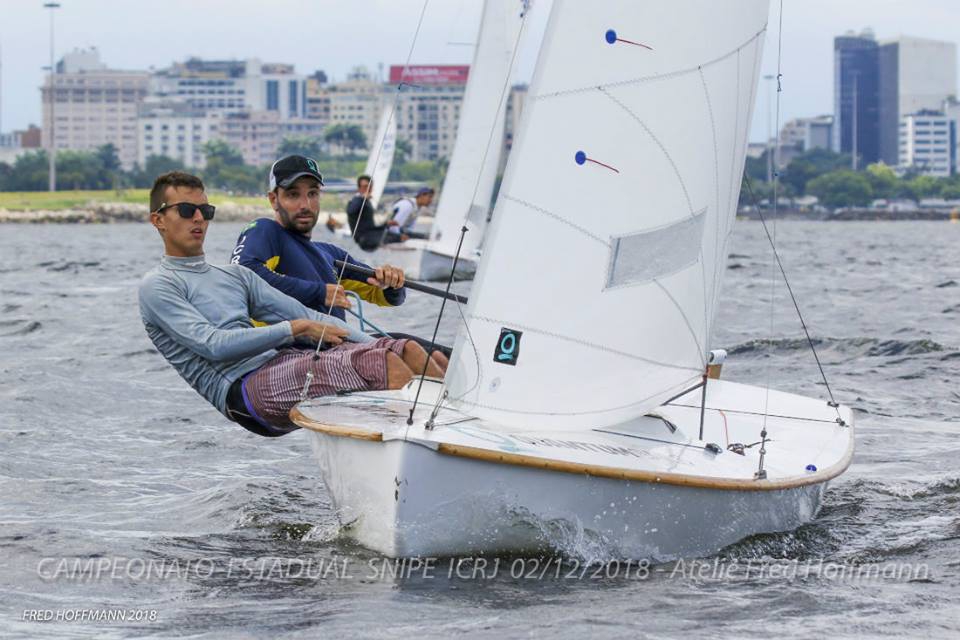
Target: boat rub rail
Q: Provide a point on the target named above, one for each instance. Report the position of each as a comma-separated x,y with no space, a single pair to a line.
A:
599,471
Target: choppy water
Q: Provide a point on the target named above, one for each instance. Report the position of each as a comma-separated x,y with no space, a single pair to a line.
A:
106,454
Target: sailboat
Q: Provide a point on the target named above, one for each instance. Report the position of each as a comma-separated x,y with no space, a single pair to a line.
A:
380,160
472,172
578,408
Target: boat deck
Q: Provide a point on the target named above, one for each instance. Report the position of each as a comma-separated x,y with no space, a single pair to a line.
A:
806,443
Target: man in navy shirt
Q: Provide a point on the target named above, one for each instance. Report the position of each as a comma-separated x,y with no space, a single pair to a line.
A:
280,250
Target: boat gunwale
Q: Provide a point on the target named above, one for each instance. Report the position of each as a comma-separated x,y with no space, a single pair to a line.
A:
598,471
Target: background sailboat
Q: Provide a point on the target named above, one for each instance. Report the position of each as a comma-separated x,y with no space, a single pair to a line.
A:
382,151
570,402
468,187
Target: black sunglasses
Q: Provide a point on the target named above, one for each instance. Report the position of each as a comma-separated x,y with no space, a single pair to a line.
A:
187,209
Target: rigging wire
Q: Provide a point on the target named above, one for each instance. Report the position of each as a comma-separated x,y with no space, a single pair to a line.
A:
761,473
443,395
393,112
833,403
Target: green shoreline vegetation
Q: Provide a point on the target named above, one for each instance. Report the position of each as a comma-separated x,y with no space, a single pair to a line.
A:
82,199
88,179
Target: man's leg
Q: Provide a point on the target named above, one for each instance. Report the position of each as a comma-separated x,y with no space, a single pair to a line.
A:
398,373
441,360
274,388
425,343
416,358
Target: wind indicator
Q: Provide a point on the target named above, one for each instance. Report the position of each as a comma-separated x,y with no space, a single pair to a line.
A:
612,38
581,158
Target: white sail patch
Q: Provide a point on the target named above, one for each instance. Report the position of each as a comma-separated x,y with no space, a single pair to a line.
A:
637,258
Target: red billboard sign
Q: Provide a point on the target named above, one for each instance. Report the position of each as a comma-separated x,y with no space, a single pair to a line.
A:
444,74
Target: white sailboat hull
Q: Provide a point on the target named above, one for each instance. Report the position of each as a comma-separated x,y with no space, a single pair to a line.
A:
420,261
404,500
461,489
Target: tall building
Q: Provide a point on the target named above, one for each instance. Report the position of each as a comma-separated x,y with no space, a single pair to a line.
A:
318,100
856,108
428,109
915,75
234,85
804,134
358,100
94,105
255,134
176,130
928,143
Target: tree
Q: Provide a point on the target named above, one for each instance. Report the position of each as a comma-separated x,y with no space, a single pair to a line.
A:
220,152
812,164
924,187
299,145
225,169
403,150
155,166
882,179
80,170
29,172
950,192
346,136
842,189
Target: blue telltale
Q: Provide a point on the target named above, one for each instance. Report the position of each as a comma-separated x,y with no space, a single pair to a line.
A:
581,157
811,467
611,36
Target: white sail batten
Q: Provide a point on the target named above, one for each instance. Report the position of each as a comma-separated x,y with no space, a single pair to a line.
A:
595,300
472,173
380,160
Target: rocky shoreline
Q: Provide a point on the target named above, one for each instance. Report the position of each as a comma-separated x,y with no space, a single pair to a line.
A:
109,213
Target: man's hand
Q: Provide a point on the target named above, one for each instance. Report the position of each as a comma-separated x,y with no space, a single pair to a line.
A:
333,224
337,297
316,331
387,277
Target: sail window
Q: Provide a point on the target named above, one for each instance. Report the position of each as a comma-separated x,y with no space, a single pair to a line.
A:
641,257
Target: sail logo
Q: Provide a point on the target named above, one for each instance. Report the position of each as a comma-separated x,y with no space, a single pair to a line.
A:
508,347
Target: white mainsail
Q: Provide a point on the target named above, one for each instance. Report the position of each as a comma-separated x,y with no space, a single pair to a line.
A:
472,173
602,266
382,150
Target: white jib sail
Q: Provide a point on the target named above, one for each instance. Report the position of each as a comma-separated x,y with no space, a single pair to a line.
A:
472,173
595,298
382,150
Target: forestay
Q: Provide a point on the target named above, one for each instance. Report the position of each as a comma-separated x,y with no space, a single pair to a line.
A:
595,300
468,188
380,160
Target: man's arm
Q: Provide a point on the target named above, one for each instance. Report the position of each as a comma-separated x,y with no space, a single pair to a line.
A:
269,305
401,215
258,250
388,297
165,306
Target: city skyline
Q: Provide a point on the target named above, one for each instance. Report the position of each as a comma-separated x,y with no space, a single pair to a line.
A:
220,29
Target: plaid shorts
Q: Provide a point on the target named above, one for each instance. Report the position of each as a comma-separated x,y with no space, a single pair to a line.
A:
272,390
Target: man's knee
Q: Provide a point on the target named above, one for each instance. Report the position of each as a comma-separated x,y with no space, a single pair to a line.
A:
412,349
398,373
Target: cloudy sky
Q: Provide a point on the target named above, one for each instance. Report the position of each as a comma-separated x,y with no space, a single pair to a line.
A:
335,35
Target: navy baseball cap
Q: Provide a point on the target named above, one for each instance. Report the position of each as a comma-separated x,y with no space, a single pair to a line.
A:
288,170
424,191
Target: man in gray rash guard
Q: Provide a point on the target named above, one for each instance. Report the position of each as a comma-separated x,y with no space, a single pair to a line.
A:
201,319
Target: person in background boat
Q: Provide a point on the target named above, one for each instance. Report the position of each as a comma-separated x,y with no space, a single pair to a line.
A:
405,214
281,251
366,232
200,318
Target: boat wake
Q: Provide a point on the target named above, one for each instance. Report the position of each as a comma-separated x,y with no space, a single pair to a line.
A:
847,347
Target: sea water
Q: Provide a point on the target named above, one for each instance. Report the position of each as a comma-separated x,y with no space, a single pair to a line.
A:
130,507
